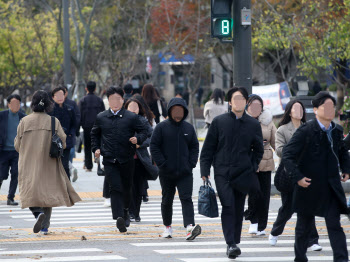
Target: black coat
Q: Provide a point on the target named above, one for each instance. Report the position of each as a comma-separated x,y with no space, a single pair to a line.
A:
3,125
90,106
74,105
111,134
143,155
174,146
154,108
67,118
234,147
318,163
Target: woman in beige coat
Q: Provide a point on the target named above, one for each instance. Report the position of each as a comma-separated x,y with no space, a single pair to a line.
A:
215,106
258,203
42,180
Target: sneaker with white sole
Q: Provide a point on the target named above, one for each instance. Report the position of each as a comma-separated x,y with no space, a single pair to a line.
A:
39,220
261,233
75,174
168,232
193,231
107,202
253,229
273,240
316,247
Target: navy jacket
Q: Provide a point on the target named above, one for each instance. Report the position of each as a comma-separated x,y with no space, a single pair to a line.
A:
3,125
174,146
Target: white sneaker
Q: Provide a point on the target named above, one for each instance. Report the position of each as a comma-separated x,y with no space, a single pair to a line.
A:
273,240
253,229
75,174
107,202
168,231
261,233
316,247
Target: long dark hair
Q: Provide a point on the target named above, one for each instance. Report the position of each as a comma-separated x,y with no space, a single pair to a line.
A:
149,93
148,112
141,110
218,96
286,116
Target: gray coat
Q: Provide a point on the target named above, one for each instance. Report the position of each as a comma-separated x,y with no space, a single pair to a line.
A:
283,136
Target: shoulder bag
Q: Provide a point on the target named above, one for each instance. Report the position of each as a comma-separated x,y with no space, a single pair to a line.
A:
56,149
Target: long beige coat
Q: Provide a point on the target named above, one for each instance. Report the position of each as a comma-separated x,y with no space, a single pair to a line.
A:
268,131
283,136
42,180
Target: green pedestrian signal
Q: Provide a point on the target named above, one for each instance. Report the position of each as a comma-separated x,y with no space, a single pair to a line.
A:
221,18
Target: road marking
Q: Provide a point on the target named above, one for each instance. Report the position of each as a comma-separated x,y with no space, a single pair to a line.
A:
77,258
50,251
256,259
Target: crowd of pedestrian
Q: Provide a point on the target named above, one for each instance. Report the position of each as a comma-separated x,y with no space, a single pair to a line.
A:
140,138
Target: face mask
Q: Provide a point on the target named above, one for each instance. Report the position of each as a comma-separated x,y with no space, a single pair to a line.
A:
177,113
297,111
255,109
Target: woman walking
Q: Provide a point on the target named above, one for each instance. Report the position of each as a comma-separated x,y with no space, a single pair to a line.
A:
153,101
258,203
293,118
215,106
42,180
143,163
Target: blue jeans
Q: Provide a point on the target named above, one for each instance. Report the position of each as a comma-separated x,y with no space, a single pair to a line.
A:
72,154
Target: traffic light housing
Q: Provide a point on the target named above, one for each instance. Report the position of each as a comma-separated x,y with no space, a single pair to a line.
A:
221,18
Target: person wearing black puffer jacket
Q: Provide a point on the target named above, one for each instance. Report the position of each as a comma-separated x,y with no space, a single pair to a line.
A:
113,137
175,149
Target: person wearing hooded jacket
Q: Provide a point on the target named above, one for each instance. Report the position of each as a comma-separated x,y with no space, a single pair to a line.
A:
258,203
175,148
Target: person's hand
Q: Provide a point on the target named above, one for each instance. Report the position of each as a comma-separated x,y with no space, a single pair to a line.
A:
97,153
137,146
205,178
305,182
344,177
133,140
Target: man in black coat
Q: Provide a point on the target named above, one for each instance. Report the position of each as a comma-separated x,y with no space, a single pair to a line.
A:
90,106
113,137
234,146
9,120
175,149
313,158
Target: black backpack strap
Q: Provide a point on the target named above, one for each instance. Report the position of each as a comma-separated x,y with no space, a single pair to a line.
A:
53,125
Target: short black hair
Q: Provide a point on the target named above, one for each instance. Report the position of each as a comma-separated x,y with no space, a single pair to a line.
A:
321,97
55,90
9,98
65,87
115,90
128,89
91,86
41,102
234,89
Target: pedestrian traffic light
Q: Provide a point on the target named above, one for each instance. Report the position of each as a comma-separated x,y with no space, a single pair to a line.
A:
221,18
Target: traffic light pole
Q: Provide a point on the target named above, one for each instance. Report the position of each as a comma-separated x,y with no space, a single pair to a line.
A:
242,49
66,47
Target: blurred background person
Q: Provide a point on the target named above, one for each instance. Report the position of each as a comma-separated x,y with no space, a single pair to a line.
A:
215,106
154,102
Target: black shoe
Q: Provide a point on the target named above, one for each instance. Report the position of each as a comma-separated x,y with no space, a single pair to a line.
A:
121,225
233,251
126,217
39,220
138,219
132,217
11,202
145,199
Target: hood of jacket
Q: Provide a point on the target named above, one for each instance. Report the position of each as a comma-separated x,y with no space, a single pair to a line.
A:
266,117
177,102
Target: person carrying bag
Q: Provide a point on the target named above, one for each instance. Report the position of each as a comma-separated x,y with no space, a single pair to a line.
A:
207,204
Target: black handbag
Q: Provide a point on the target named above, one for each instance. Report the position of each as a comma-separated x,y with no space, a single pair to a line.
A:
282,180
207,204
56,149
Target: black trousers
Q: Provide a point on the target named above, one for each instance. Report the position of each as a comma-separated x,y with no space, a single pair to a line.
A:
232,218
138,187
335,233
259,203
87,148
285,212
184,187
119,177
65,161
106,193
9,162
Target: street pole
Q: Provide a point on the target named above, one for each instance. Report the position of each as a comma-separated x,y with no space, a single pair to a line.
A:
66,46
242,49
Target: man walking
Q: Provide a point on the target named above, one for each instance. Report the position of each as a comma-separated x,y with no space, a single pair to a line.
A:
234,146
174,148
89,106
128,90
9,121
113,137
313,158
